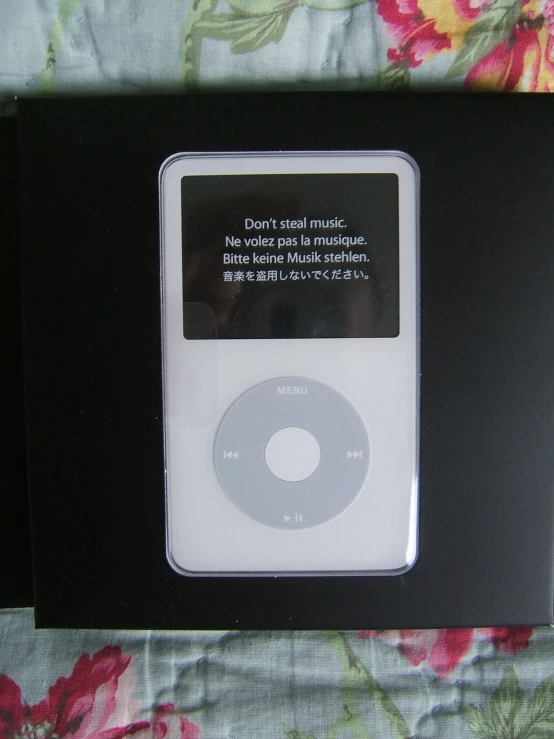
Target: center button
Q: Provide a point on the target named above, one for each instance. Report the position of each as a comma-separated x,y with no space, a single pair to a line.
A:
292,454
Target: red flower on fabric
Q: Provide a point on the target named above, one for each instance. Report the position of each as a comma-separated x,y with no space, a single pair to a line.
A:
443,649
416,36
510,640
94,702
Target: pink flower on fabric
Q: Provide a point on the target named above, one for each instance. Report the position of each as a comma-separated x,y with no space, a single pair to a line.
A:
168,724
416,37
443,649
94,702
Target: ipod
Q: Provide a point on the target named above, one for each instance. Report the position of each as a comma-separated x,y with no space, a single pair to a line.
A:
290,334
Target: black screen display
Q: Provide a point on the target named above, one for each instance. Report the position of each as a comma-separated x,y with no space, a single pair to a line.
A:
291,256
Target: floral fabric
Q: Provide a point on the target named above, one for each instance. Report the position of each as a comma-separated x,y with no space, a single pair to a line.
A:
385,44
457,683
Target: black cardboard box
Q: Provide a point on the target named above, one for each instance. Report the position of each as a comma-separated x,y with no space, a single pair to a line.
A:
89,190
16,585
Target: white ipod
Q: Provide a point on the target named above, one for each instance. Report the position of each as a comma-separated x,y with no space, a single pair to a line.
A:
290,311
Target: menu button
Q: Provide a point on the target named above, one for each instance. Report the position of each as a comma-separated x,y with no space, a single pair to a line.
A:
292,390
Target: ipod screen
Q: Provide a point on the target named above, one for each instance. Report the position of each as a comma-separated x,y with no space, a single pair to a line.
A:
290,256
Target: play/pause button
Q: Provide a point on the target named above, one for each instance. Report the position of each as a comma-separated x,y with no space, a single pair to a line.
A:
297,518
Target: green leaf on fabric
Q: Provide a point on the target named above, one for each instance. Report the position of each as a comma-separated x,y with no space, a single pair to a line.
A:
356,678
190,46
492,28
390,77
350,722
55,37
293,734
504,717
538,721
260,7
247,32
506,703
478,724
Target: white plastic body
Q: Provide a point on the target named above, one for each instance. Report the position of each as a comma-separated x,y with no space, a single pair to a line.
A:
206,533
